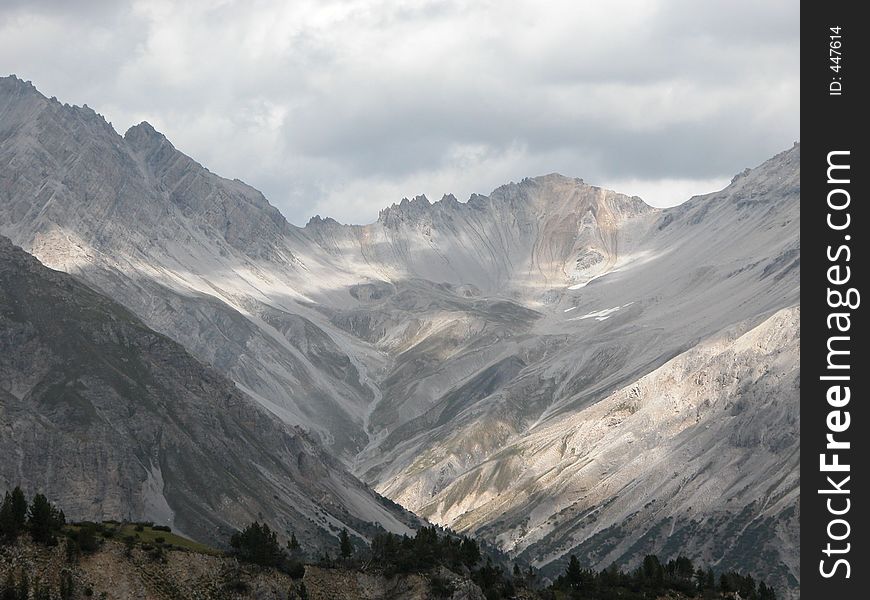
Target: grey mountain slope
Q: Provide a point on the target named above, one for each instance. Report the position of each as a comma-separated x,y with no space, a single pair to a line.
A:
135,218
113,420
701,455
428,346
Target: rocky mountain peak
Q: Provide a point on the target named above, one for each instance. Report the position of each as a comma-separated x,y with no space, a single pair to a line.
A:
14,83
552,179
24,108
149,143
531,193
317,221
556,193
20,103
406,210
449,200
143,132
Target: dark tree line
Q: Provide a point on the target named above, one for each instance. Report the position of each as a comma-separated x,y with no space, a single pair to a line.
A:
39,518
258,544
653,579
429,550
426,550
44,522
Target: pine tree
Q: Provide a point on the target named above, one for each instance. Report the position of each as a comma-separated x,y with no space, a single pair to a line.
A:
258,544
44,520
652,570
683,568
293,545
574,574
346,545
747,588
765,592
13,514
7,522
469,550
426,548
19,508
700,579
724,584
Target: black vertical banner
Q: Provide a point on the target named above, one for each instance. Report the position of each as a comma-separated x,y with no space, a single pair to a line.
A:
834,226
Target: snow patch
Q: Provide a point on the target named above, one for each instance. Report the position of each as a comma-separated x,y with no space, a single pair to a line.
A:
601,315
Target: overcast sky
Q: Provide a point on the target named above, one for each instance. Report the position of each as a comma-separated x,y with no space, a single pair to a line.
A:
342,108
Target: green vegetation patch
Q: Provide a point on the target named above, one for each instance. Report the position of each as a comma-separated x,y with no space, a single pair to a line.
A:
145,534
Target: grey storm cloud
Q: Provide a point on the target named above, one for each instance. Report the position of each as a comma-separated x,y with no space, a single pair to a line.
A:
343,107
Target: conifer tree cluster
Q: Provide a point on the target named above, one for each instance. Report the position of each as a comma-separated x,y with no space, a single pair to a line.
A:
653,579
426,550
258,544
42,520
429,550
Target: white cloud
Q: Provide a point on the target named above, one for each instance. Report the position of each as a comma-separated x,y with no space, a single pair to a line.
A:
667,191
342,107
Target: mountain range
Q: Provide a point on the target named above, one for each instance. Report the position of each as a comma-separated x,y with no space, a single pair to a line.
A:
555,367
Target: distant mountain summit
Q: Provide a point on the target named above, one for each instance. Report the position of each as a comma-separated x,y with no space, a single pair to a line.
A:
555,366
